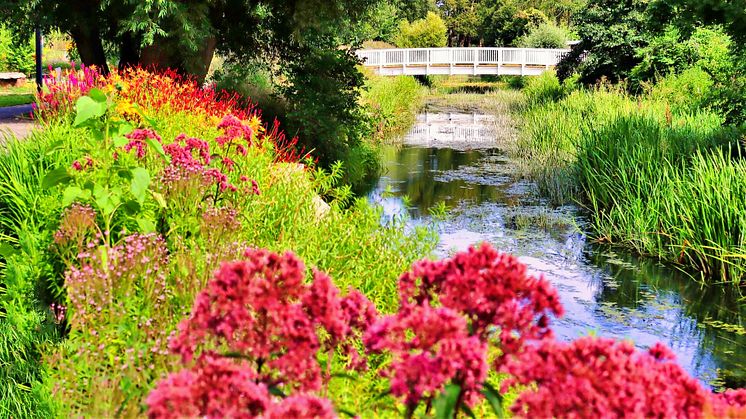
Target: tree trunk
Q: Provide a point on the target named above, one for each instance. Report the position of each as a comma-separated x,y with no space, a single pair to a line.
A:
90,47
129,51
167,54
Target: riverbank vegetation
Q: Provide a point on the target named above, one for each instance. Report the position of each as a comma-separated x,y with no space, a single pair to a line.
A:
656,158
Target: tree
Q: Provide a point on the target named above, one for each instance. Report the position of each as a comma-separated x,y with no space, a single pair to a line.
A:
462,20
182,35
545,35
423,33
729,13
611,32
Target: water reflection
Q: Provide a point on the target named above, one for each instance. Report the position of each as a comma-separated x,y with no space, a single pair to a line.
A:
603,292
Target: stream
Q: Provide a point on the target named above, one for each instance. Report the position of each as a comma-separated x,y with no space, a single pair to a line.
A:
459,161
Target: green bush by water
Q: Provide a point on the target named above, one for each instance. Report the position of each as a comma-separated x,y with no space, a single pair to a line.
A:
666,181
392,103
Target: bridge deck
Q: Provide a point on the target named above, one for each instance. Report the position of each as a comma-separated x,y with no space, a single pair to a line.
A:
470,61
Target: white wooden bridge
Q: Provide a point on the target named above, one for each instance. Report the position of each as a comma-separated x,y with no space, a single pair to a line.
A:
470,61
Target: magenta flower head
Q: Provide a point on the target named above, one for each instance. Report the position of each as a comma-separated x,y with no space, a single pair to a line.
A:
261,308
138,140
492,290
595,377
430,347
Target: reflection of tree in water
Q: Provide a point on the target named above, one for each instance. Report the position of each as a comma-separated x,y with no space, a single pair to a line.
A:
713,315
414,169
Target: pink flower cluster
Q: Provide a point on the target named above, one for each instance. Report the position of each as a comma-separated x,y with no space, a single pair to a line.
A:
138,142
233,129
260,311
191,157
79,167
218,387
430,347
449,311
594,377
273,326
58,99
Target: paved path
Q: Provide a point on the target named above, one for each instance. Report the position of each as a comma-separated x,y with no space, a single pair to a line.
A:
15,120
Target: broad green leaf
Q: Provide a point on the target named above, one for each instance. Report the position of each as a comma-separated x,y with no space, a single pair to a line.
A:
55,177
97,95
7,250
120,141
158,147
139,184
87,109
71,193
103,199
494,398
131,207
445,404
124,128
146,226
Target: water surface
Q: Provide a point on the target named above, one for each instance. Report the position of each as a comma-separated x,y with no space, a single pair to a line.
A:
456,160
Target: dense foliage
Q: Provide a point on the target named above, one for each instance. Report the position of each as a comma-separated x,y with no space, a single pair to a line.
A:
423,33
642,166
166,180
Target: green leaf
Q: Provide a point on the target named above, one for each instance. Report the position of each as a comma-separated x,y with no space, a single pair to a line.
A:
159,199
124,128
494,398
131,207
7,250
87,109
158,147
275,391
467,411
55,177
103,198
71,193
121,141
97,95
139,184
445,404
146,226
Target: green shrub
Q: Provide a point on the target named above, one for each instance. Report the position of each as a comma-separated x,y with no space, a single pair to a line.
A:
650,171
543,88
423,33
545,35
687,91
16,52
708,49
392,103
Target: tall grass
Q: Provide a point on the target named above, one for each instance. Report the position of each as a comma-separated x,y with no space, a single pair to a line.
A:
665,184
393,103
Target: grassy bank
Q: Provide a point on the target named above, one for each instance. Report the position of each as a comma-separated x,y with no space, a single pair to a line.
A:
392,103
667,184
75,361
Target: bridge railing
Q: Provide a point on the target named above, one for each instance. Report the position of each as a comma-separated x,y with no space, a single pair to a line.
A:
462,56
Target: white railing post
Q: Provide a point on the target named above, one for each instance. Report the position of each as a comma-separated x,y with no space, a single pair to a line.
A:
499,60
451,58
523,62
381,57
476,60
